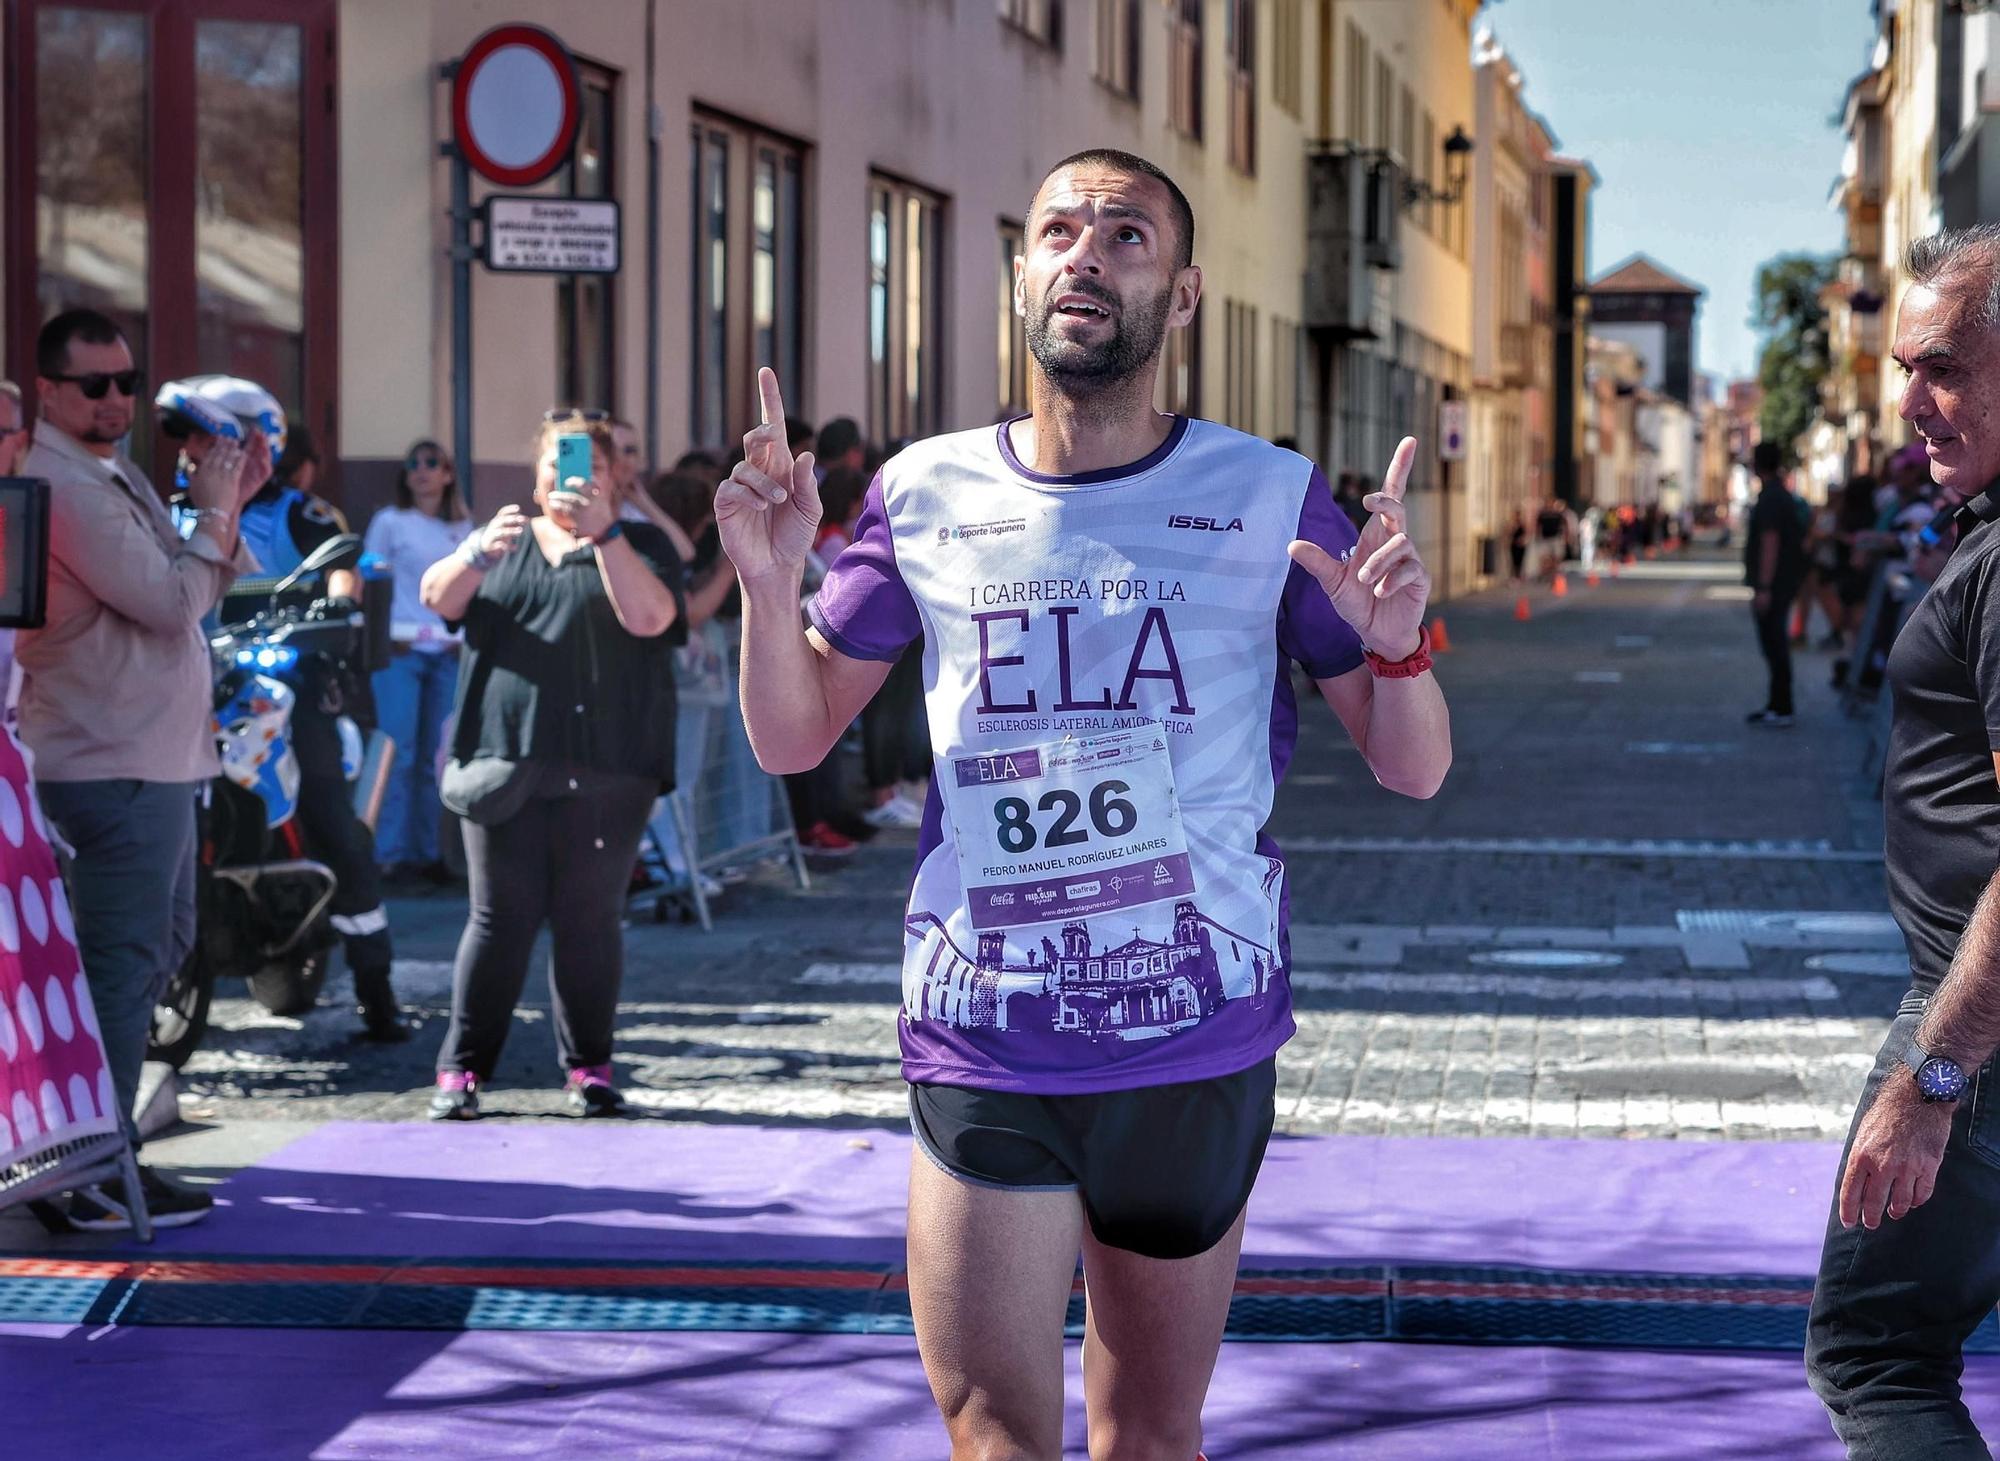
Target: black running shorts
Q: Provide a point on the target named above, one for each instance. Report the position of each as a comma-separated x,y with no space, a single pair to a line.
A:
1162,1170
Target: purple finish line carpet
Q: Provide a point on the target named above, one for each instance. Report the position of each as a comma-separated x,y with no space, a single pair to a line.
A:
697,1241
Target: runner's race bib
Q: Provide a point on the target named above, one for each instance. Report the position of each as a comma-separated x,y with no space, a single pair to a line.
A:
1069,829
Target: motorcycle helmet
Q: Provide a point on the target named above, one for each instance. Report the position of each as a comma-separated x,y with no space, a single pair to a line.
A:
221,405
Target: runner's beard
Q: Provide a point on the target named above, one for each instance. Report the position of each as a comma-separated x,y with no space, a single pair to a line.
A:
1075,367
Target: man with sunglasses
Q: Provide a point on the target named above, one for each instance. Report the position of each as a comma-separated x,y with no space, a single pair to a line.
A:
115,698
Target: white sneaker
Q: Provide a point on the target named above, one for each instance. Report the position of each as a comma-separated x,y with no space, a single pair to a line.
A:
895,812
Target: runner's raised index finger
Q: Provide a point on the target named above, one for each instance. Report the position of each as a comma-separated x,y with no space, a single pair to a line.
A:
772,398
1398,475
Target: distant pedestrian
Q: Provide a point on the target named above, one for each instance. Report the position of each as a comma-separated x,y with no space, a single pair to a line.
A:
841,447
1896,1300
1347,497
564,737
1517,549
1774,566
1551,533
414,691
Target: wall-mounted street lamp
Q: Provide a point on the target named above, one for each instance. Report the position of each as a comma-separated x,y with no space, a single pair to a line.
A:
1457,153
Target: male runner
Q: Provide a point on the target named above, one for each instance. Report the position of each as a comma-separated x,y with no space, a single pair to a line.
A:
1095,961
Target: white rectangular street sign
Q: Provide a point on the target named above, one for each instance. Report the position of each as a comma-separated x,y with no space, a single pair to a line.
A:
1451,431
552,235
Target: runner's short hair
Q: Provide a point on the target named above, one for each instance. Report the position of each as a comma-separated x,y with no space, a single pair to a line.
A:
1133,163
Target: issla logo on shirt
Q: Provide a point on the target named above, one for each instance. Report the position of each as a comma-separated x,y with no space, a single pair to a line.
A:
1205,524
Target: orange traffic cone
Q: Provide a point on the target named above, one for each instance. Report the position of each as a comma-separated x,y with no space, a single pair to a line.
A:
1560,588
1440,641
1521,608
1590,579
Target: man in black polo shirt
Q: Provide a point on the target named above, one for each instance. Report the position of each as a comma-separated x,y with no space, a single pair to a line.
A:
1896,1300
1774,565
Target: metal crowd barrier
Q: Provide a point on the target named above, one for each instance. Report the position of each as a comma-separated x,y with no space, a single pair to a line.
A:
725,814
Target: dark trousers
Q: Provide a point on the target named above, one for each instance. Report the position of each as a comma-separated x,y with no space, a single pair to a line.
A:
565,859
131,890
895,741
1893,1307
336,836
1775,639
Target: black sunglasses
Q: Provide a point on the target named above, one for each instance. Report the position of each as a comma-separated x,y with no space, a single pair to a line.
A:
577,413
418,461
96,384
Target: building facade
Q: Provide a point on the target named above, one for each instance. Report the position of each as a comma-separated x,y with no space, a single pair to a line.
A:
1514,307
835,188
1389,288
1655,311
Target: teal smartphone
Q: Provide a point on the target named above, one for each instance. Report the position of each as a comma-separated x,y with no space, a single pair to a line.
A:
573,458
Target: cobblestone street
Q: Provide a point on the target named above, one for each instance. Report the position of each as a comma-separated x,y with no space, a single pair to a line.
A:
1627,914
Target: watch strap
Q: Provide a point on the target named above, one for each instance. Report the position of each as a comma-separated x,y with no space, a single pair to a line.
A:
1417,662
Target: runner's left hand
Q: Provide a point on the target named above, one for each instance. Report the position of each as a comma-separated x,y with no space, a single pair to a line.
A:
1382,588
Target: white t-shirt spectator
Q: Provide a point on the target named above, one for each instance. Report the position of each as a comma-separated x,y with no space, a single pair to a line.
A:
410,541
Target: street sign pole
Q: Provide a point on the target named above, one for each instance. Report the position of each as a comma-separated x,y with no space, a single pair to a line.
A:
461,313
515,108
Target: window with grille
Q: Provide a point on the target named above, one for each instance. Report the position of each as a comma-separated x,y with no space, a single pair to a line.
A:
1241,46
586,319
1041,19
1385,104
746,276
905,310
1184,69
1284,377
1288,44
1010,328
1179,388
1239,375
1117,50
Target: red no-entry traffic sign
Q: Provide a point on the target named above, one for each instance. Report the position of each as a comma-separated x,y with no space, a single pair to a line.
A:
515,105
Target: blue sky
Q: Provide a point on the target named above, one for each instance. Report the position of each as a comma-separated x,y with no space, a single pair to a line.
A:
1712,124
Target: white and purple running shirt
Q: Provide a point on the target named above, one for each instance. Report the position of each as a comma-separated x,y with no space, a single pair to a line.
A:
1106,678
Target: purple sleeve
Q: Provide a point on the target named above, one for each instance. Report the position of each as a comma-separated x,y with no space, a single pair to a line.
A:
863,607
1309,631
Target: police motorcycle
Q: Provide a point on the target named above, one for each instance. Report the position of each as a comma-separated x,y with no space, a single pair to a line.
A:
262,904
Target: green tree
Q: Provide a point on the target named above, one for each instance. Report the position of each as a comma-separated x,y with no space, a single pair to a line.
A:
1796,356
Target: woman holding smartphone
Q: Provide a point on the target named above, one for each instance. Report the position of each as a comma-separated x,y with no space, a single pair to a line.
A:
564,737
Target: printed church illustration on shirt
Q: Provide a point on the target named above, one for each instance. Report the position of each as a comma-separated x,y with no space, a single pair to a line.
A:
1140,990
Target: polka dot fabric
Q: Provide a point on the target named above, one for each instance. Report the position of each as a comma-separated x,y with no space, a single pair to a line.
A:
54,1086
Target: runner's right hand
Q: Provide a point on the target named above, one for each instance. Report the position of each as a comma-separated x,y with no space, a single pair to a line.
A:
503,531
768,511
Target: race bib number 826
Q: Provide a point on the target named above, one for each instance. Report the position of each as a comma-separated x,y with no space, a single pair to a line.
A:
1068,829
